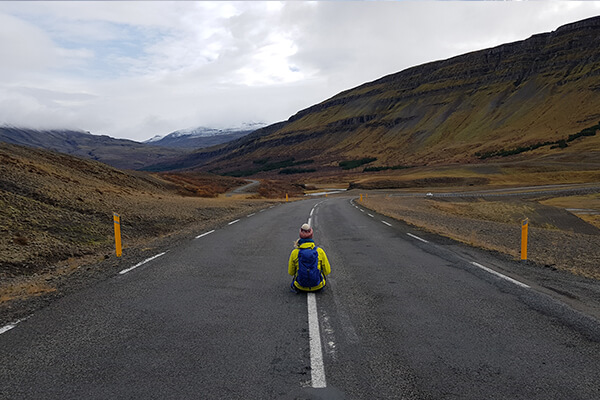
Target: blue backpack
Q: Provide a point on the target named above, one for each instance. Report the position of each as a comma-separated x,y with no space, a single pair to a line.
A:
309,274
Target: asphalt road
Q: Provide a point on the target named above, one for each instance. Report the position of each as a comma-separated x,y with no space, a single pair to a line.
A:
402,317
248,188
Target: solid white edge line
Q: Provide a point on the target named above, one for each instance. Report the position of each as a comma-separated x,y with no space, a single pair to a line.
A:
204,234
317,368
233,222
491,271
418,238
309,222
141,263
387,223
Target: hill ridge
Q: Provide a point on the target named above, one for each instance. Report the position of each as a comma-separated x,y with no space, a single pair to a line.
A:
539,89
119,153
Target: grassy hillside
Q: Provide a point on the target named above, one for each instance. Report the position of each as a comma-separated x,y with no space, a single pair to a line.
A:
57,207
518,95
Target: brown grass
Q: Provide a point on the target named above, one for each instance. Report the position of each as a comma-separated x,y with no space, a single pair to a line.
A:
27,288
201,184
276,189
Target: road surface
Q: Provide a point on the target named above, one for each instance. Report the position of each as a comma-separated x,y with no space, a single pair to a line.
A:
403,317
248,188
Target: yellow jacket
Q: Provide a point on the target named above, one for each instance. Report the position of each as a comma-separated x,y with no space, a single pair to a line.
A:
323,265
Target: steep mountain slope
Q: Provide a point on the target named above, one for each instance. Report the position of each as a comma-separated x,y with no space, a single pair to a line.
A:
119,153
535,91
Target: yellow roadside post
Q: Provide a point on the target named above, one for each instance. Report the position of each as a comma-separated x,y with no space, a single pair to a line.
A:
117,220
286,197
361,197
524,233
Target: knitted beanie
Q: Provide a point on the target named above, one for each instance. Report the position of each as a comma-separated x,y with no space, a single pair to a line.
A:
306,232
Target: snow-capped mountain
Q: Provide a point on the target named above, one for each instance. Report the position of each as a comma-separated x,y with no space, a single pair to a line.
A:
153,139
203,136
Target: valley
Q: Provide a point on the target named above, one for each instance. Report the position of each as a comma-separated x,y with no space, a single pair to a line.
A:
518,115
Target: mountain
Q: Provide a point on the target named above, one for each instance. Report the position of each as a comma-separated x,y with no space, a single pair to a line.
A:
538,97
119,153
203,137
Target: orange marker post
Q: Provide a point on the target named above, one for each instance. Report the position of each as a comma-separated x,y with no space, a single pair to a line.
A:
361,197
524,234
286,197
117,221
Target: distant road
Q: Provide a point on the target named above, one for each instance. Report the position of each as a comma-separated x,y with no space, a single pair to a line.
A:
244,189
405,316
528,191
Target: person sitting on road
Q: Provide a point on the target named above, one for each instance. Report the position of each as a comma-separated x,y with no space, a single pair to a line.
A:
308,263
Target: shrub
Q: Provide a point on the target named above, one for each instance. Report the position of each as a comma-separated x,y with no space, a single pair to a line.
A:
562,143
289,171
350,164
20,240
290,162
376,169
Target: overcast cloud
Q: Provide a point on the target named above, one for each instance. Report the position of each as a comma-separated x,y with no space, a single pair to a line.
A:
138,69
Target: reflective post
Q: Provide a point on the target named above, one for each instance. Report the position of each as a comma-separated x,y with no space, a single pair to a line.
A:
524,233
117,221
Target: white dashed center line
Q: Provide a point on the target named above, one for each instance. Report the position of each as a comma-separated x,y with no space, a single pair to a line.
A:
204,234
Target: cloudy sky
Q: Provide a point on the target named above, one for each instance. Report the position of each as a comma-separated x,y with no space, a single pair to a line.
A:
138,69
